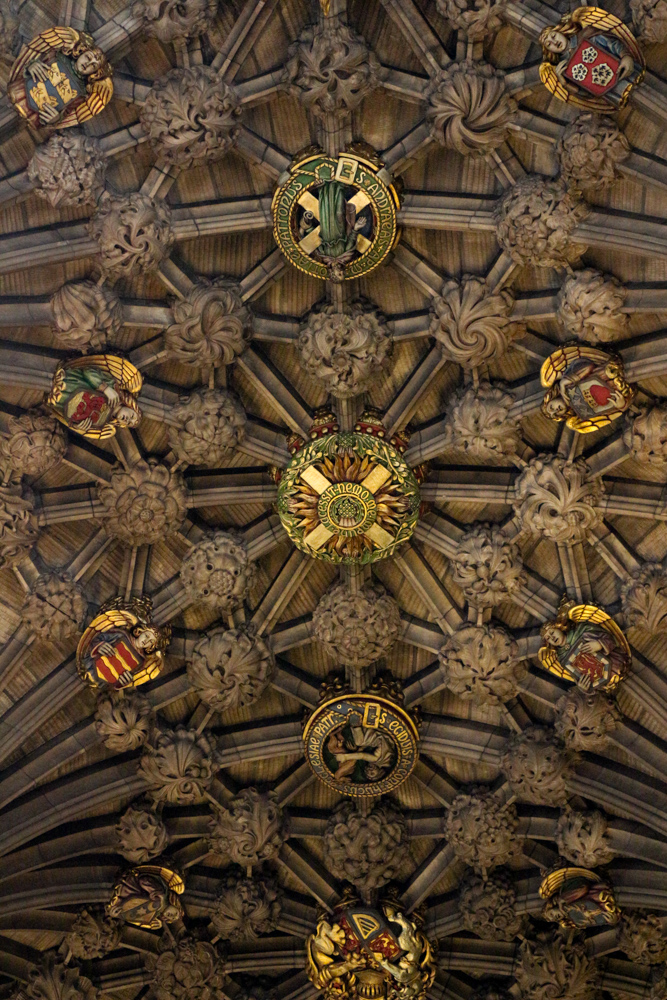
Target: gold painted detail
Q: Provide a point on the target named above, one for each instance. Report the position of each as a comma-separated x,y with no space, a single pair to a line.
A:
585,386
586,646
578,898
147,896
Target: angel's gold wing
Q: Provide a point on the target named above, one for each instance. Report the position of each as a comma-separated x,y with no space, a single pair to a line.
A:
590,424
52,38
550,80
101,623
602,20
558,361
122,371
100,94
549,660
591,613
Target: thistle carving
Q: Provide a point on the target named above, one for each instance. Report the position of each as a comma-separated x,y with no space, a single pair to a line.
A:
55,609
642,938
344,351
488,907
180,767
133,232
582,838
480,663
475,18
141,834
218,572
590,307
211,325
53,980
585,720
487,566
189,970
557,499
471,323
479,422
550,968
175,20
86,316
369,849
468,107
230,668
92,935
357,628
589,152
536,221
537,767
123,719
205,426
482,829
143,504
18,527
69,169
249,829
644,599
32,443
247,907
646,435
650,20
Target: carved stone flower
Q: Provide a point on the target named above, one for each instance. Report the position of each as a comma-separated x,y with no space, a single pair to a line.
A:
145,503
32,443
123,719
537,767
133,232
487,565
479,421
345,351
211,325
589,152
68,169
249,829
140,834
536,221
475,18
557,499
191,116
180,767
582,837
365,849
650,20
86,316
53,980
471,323
488,907
644,599
217,571
205,426
331,68
92,935
585,719
357,628
550,968
247,907
468,108
642,938
590,307
175,20
55,609
481,829
230,668
646,435
189,970
18,526
480,663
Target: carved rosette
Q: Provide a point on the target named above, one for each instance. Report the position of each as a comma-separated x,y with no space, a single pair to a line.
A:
141,834
650,20
642,938
230,668
480,663
646,435
479,422
218,572
345,351
475,18
191,116
55,609
582,838
205,426
180,767
644,599
189,970
54,980
482,829
86,316
123,719
488,907
366,849
69,169
590,307
133,232
18,526
144,504
247,907
487,566
468,107
537,767
535,222
585,720
175,20
32,443
471,323
211,325
331,69
357,628
249,829
589,152
550,968
557,499
92,935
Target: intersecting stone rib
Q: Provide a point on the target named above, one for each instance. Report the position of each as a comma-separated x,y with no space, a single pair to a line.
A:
407,86
291,634
67,242
414,567
259,88
262,740
448,211
410,394
262,275
263,154
128,88
238,215
247,26
208,489
476,742
575,571
415,29
407,149
418,271
430,871
281,590
624,232
435,780
295,682
115,36
263,535
272,385
465,484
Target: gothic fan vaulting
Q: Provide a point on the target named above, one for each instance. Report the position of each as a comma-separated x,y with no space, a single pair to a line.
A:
333,559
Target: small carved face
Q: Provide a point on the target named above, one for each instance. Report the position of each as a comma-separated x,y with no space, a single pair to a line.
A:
146,639
336,273
127,417
556,408
89,62
554,41
554,636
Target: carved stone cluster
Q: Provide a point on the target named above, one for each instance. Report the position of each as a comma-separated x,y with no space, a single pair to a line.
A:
189,970
650,20
211,325
550,968
590,307
365,849
191,116
357,628
180,767
175,20
55,608
481,829
646,435
247,907
536,220
471,323
344,351
32,443
230,668
86,316
133,232
218,572
249,829
123,719
53,980
644,599
585,720
468,108
205,426
642,938
479,422
480,663
557,499
589,152
18,527
69,169
92,935
144,504
537,767
331,68
140,834
582,837
488,907
487,566
475,18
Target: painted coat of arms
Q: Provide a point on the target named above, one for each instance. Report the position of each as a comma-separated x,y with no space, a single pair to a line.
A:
95,395
586,646
585,387
147,896
577,898
122,647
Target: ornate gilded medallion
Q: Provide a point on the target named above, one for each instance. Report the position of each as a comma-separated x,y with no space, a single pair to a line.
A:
122,647
96,395
586,646
578,898
585,387
348,497
336,218
147,896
